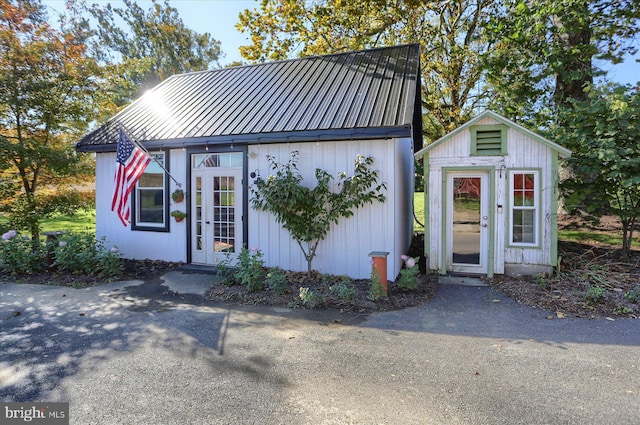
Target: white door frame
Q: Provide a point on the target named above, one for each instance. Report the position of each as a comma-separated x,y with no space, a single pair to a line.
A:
216,214
481,253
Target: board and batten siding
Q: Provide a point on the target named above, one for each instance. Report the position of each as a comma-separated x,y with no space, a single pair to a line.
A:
374,227
139,244
523,153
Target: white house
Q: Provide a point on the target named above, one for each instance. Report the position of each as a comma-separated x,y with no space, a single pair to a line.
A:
213,131
491,199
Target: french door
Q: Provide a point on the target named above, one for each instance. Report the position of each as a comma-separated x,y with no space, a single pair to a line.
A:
468,224
216,219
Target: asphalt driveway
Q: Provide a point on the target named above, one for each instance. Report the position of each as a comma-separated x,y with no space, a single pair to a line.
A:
133,353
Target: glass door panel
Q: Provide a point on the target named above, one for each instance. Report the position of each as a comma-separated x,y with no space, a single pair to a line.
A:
224,214
216,231
466,220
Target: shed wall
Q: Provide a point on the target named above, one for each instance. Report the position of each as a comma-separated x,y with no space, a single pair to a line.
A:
374,227
139,244
523,152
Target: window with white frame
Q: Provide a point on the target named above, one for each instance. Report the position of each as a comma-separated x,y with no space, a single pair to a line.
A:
150,196
524,201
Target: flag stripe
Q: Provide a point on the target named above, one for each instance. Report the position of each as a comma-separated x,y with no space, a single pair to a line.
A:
131,163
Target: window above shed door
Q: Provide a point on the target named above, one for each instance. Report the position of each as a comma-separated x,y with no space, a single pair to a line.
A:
488,140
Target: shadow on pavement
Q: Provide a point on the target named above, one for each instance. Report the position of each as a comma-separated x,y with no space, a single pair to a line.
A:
46,336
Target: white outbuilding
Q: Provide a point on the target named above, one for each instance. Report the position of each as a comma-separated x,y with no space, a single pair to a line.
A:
491,199
212,131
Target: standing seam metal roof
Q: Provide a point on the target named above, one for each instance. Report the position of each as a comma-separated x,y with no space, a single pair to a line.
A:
364,94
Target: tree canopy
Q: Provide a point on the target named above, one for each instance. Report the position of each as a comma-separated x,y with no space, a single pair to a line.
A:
450,33
46,85
142,48
523,59
546,52
605,166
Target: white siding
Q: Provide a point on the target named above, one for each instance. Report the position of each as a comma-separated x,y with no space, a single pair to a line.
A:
523,152
376,227
137,244
527,153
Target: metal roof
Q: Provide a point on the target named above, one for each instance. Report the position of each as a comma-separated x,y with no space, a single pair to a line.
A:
365,94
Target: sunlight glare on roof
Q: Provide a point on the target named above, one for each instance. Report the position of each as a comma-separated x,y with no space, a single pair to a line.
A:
154,101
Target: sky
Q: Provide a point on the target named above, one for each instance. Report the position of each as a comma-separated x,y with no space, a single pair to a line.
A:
219,17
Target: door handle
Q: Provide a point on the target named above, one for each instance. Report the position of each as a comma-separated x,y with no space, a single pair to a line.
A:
207,222
484,225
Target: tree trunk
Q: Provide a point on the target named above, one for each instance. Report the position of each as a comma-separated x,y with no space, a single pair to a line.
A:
626,238
575,71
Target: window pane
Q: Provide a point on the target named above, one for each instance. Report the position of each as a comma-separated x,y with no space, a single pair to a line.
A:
524,208
153,175
151,206
524,190
215,160
150,194
524,226
466,220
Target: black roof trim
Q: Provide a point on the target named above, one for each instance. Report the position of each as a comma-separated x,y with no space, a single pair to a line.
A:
265,138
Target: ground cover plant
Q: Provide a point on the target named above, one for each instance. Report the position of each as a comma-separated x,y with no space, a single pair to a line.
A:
593,279
250,282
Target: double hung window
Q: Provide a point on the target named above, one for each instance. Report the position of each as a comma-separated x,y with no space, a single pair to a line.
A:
524,208
151,196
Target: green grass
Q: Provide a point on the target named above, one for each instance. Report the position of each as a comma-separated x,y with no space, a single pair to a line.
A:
418,208
82,222
593,238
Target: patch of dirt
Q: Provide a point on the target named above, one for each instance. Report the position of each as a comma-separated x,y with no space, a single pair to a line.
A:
591,282
319,284
129,270
327,295
588,223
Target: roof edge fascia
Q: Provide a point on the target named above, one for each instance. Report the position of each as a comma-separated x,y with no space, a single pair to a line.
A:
267,138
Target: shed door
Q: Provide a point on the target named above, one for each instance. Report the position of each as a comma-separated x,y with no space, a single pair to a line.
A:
216,212
468,223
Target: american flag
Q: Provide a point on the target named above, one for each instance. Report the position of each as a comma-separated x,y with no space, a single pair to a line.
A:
132,162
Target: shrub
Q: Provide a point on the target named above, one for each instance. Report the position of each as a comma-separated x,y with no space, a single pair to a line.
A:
409,274
619,310
633,295
344,289
541,280
250,270
310,297
276,281
377,287
226,272
594,294
83,253
18,255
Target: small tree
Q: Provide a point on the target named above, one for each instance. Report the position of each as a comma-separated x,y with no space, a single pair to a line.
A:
605,166
46,88
308,213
